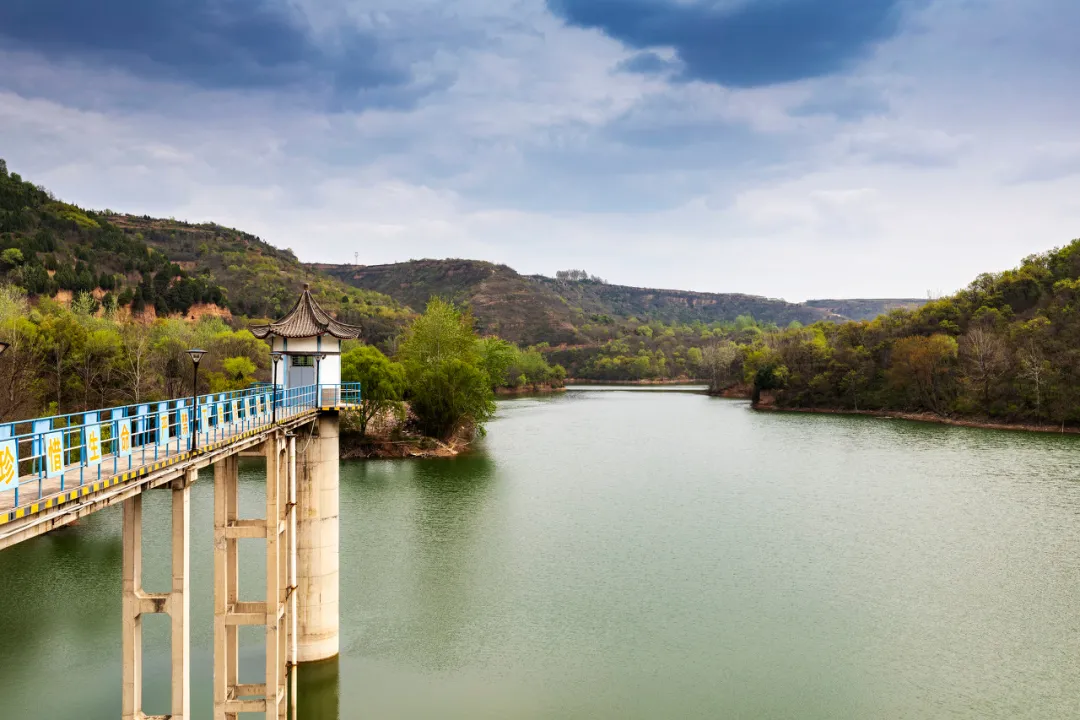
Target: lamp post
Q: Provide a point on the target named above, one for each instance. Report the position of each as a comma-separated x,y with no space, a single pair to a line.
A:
196,355
276,357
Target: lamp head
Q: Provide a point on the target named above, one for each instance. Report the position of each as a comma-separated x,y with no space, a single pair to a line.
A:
196,355
276,357
4,346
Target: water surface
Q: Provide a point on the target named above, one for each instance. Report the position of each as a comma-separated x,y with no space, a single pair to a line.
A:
628,554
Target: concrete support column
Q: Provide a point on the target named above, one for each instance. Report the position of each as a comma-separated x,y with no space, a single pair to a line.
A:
291,563
317,541
180,598
136,603
131,633
277,469
226,588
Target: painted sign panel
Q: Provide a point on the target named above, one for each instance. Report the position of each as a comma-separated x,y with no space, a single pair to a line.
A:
163,427
185,427
93,444
236,411
266,403
9,464
221,413
259,404
54,454
250,406
123,436
204,417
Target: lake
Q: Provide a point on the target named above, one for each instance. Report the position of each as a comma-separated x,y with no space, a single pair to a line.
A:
629,553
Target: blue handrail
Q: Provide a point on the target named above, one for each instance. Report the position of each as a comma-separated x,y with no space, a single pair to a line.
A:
100,443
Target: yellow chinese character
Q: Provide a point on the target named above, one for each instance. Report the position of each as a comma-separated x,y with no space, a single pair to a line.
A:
94,447
183,423
56,454
125,438
7,466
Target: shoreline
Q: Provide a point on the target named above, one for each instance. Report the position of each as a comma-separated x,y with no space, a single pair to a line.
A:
925,417
663,381
383,447
529,390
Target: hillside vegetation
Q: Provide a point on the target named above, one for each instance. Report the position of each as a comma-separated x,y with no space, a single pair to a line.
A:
1005,348
163,267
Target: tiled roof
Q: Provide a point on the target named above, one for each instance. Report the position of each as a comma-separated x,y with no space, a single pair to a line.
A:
307,319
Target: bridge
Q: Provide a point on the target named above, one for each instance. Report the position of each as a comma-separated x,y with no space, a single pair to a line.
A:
55,470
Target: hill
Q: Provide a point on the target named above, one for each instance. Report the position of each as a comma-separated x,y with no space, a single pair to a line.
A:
163,267
1002,349
533,308
503,302
865,309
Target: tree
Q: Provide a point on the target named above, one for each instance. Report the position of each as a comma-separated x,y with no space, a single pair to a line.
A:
382,382
448,389
921,367
134,362
496,358
12,257
441,333
237,373
984,360
717,362
449,396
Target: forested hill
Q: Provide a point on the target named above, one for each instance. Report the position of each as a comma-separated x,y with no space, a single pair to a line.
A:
162,267
1005,348
534,308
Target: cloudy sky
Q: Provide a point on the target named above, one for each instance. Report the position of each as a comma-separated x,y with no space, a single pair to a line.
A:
789,148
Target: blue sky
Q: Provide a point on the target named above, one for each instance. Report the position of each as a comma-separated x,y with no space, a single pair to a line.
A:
789,148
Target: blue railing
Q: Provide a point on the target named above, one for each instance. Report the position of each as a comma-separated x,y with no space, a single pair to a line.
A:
84,447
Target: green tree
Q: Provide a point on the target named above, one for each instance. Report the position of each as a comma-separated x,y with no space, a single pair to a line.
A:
236,373
449,391
496,358
382,382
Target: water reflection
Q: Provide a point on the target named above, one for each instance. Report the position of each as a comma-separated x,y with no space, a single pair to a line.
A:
317,690
451,500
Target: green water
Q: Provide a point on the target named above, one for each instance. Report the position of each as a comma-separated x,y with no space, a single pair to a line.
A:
631,555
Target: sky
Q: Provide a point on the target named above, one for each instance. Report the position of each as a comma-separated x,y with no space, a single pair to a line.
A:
787,148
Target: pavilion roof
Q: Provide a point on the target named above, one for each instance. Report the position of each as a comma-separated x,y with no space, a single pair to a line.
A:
307,319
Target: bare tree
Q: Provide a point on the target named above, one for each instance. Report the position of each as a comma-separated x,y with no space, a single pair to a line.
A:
718,362
135,362
984,357
1034,368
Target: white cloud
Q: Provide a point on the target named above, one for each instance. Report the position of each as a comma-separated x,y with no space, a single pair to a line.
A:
950,152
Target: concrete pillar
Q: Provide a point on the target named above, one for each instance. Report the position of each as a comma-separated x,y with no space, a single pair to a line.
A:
180,599
277,468
291,562
131,631
136,603
317,541
226,585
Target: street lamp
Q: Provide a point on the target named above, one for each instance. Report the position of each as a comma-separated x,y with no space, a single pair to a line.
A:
276,357
196,357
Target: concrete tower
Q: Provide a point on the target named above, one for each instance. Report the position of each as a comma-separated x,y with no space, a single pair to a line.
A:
310,343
